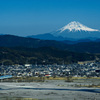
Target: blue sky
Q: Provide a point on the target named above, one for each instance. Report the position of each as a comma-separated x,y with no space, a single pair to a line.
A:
29,17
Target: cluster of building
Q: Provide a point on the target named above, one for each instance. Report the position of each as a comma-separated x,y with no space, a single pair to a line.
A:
90,69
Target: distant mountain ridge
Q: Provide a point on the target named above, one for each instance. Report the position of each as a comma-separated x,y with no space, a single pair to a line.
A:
16,41
48,36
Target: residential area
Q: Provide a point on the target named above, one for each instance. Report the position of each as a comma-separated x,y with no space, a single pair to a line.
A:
90,69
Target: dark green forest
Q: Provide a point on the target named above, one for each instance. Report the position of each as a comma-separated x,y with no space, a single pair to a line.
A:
42,55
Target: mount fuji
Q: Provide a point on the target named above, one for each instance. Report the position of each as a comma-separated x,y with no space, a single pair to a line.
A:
72,31
76,26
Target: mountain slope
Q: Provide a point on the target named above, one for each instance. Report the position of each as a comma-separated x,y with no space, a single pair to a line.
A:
72,31
76,26
76,30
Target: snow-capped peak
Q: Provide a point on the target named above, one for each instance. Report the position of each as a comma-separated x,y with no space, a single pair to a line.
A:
76,26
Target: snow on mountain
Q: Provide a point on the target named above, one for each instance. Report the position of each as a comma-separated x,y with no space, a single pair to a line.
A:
72,31
76,26
76,30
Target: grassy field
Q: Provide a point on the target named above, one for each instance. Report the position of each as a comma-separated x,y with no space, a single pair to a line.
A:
42,79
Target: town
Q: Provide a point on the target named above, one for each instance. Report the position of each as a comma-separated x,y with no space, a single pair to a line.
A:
80,69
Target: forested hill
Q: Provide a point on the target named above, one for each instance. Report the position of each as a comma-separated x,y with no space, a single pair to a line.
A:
21,50
16,41
43,55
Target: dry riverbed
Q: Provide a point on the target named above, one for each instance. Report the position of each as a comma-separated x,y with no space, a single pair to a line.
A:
51,90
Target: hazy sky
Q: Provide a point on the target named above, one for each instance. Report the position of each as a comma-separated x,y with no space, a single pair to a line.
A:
28,17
